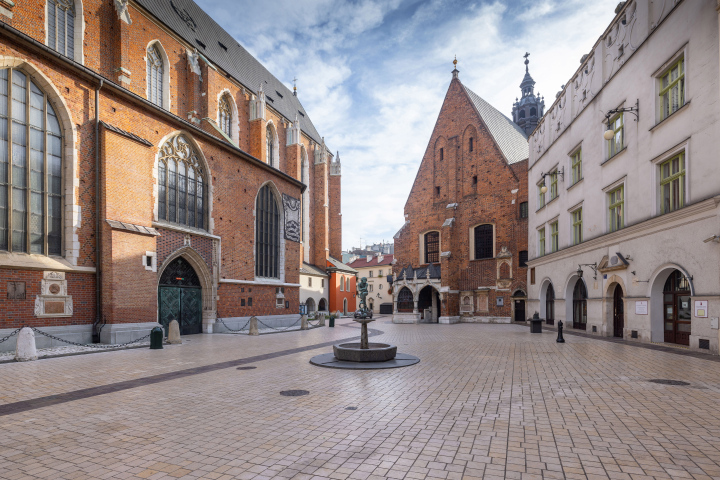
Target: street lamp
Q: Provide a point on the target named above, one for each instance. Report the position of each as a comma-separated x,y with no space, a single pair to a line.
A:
560,173
591,265
609,132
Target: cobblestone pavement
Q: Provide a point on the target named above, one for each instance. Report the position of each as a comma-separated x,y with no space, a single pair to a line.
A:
486,401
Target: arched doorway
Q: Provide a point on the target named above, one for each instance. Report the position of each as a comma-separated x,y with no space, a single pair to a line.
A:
345,310
310,303
550,305
676,309
180,297
322,305
618,312
405,302
580,305
519,306
429,299
371,305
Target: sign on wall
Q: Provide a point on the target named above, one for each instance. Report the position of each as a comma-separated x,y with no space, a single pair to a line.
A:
701,308
292,218
641,307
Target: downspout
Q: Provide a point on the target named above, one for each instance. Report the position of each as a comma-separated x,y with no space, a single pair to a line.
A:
98,323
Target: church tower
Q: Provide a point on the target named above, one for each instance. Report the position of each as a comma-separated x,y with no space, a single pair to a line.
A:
527,111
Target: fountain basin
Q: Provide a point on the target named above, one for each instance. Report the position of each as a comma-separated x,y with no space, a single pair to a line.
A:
377,352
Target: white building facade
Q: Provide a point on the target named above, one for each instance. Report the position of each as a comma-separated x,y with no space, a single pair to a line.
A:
314,289
628,158
376,269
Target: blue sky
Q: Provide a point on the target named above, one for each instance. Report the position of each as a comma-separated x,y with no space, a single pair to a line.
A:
372,74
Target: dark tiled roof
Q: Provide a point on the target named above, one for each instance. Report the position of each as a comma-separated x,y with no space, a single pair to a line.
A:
200,28
122,132
421,272
509,137
129,227
362,261
308,269
338,265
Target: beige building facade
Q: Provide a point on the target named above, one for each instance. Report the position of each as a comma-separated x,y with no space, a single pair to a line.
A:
625,185
376,269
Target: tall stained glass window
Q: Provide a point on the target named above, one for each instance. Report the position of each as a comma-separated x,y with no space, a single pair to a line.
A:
155,72
31,145
182,185
267,234
61,26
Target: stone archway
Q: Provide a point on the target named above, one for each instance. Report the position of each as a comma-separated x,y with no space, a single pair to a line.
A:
428,298
575,310
310,303
655,294
205,278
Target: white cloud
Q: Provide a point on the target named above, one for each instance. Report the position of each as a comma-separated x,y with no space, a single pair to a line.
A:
373,75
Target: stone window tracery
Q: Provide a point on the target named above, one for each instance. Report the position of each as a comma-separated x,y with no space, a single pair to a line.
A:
31,186
61,26
155,72
182,184
267,234
225,116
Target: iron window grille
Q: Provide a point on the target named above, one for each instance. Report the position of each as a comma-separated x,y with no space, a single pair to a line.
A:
267,234
524,210
405,302
181,184
30,189
432,247
483,242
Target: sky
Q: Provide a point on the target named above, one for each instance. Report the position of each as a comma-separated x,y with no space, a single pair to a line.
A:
372,75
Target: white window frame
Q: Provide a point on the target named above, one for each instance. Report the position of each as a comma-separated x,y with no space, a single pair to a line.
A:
684,148
471,242
78,33
620,182
166,73
683,53
421,244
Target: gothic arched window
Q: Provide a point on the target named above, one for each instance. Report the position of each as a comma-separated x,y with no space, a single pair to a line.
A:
270,133
31,188
405,301
182,184
155,72
61,26
267,234
225,115
483,241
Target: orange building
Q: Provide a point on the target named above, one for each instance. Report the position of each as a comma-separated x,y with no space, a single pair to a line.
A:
342,286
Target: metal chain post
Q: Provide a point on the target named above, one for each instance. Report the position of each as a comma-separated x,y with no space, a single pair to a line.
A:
119,345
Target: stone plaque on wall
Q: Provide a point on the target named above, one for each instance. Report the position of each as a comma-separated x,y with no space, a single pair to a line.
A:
482,301
54,308
291,208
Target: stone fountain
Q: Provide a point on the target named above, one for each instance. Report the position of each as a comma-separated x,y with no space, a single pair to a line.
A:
364,355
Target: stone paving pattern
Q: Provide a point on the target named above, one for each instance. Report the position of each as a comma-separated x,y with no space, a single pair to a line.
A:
486,401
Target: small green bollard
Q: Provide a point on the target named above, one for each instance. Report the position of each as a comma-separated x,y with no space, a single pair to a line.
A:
332,321
156,338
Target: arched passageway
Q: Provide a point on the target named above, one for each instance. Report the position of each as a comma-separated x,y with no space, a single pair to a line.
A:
180,297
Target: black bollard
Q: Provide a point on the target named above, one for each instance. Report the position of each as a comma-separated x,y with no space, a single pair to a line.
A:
156,338
560,338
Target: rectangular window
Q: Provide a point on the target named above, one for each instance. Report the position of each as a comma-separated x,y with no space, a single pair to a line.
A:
322,282
541,195
616,200
380,273
471,144
310,282
616,143
347,284
576,167
242,302
553,185
370,274
437,190
541,242
672,89
432,247
554,244
249,302
523,258
342,284
524,210
577,226
532,276
483,241
672,183
370,287
441,154
474,180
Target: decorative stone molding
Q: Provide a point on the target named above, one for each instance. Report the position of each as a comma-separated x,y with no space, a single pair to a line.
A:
335,165
321,153
121,7
194,62
53,300
293,133
257,105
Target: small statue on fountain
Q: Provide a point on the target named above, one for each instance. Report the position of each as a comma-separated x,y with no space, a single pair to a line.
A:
362,289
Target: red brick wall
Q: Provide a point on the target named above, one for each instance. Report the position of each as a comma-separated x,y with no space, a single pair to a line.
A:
490,200
335,219
20,313
263,300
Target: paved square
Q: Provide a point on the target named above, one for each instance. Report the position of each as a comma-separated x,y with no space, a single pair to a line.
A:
486,401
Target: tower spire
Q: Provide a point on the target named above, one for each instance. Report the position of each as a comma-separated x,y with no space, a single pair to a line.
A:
528,110
455,70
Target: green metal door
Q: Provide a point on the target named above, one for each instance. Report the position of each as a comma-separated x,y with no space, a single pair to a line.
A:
180,297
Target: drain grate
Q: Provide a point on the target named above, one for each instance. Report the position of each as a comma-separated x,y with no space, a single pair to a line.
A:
246,368
662,381
350,408
294,393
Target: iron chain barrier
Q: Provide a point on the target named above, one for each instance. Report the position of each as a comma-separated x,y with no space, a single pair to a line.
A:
91,345
3,339
234,331
245,327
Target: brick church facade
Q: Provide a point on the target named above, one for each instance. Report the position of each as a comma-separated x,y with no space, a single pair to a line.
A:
460,256
151,169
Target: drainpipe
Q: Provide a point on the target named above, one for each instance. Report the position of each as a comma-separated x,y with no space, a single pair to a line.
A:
97,324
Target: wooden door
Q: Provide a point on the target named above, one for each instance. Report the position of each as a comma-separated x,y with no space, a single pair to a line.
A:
618,312
520,310
677,309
